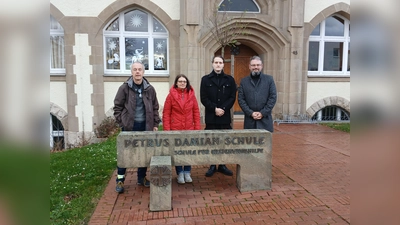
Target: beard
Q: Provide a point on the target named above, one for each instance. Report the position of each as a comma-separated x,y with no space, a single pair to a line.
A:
255,73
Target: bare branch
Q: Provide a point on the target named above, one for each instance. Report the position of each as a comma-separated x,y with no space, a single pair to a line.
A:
225,29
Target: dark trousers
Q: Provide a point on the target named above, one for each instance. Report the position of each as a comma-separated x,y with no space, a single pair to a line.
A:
217,127
141,172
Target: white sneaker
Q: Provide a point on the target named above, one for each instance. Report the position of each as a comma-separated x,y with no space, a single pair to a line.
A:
188,179
180,178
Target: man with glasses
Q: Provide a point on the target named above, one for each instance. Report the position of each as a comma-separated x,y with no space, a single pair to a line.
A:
136,109
257,97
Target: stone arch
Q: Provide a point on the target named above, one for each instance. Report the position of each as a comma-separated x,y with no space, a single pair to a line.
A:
260,36
340,8
120,5
57,14
269,43
60,113
328,101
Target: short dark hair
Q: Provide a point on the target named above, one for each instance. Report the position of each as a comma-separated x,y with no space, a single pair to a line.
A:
188,87
218,56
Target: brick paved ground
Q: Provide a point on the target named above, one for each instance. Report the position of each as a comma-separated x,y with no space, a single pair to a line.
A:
311,185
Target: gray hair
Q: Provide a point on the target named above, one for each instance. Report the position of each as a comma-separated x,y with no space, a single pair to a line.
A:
139,63
256,58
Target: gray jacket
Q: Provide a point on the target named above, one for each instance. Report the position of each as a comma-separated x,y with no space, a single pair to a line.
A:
259,97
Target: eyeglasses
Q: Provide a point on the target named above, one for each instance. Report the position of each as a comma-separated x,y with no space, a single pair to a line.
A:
140,93
254,65
182,81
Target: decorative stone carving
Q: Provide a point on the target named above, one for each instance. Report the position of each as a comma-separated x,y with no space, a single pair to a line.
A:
160,176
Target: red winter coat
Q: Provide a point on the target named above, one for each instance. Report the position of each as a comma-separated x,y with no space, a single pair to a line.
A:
181,111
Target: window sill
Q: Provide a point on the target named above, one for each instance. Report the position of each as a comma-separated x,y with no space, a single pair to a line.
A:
57,78
328,79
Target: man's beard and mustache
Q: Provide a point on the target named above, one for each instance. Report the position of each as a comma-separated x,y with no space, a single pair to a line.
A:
253,73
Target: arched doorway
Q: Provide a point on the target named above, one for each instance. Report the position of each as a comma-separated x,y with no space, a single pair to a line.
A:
241,69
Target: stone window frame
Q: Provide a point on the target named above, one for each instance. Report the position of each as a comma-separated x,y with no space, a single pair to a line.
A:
322,39
122,34
329,101
62,116
56,30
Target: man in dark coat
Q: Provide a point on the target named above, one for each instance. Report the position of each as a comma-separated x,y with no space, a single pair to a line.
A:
257,97
218,94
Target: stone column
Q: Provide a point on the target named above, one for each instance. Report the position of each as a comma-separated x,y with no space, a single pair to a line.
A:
297,82
191,23
160,183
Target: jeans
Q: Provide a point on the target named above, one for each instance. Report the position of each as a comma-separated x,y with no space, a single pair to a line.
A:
141,172
185,169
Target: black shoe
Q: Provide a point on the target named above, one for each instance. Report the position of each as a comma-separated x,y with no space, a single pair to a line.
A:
211,171
143,182
223,169
120,187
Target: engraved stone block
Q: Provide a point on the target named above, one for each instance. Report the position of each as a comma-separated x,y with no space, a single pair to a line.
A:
160,183
250,150
160,176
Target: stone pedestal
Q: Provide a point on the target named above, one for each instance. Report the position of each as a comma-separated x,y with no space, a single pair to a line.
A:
160,183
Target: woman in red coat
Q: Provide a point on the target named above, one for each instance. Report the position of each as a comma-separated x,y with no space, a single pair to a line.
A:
181,112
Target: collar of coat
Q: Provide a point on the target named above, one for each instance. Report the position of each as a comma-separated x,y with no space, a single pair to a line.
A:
176,93
145,83
213,73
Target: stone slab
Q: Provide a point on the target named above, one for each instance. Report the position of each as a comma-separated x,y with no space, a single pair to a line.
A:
251,150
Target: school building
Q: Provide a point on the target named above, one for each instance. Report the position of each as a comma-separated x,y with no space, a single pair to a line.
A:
304,44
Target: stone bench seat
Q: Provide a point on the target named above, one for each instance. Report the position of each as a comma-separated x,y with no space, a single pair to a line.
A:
250,150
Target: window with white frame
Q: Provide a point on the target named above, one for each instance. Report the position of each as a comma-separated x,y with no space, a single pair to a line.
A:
329,48
238,6
57,66
135,35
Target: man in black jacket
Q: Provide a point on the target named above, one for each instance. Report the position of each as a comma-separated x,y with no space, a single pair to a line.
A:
218,94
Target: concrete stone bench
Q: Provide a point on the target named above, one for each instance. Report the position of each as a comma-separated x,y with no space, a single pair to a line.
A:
251,150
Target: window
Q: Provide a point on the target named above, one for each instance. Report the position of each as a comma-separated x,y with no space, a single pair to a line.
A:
331,113
329,48
135,36
57,66
238,6
56,134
